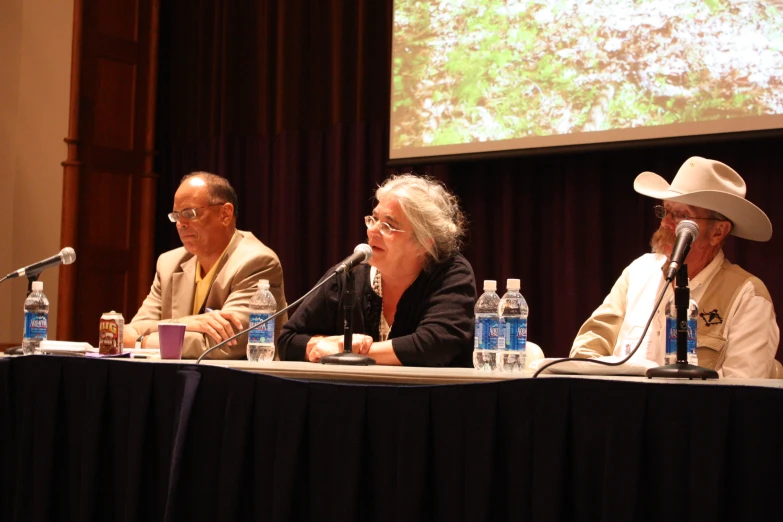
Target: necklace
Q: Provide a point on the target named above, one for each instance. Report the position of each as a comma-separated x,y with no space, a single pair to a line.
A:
377,287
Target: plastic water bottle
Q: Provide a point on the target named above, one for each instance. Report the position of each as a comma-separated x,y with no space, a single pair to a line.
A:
36,319
513,328
671,332
261,341
485,340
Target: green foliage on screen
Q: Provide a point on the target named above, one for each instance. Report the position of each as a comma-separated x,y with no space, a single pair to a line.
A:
501,69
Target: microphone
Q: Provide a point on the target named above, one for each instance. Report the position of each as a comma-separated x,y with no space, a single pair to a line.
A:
687,232
361,254
66,256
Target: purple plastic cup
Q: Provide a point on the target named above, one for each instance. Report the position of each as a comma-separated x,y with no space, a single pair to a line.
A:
171,336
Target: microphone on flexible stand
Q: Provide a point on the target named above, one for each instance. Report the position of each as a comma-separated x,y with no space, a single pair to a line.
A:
66,256
361,254
682,369
687,231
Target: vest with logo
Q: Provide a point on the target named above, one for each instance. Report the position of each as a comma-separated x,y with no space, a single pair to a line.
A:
714,307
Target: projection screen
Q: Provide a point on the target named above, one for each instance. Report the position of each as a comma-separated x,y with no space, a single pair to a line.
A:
471,76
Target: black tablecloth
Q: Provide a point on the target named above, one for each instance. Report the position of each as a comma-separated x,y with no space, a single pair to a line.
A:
120,440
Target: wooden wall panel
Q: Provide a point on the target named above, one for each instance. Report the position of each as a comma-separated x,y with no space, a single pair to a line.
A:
109,182
118,19
114,102
110,198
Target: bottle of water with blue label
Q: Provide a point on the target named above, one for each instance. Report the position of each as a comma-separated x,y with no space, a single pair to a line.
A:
671,332
36,319
485,339
513,328
261,341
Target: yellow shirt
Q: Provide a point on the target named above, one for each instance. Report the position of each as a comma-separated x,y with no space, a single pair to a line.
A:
203,284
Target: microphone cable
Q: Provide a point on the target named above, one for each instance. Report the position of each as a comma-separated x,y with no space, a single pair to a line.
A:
276,314
363,251
607,363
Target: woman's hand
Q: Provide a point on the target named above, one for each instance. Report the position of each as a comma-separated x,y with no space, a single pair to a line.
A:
320,346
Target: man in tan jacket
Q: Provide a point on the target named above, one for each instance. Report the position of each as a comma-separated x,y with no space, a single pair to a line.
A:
208,282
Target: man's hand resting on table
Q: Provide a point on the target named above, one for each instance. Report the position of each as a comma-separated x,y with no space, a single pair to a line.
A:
217,324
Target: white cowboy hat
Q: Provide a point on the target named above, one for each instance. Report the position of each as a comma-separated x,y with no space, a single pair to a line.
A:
712,185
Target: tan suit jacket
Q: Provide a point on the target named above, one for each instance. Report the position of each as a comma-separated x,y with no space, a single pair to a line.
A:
247,261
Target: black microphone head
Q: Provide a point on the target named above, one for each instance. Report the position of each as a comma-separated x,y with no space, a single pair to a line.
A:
68,255
689,227
365,249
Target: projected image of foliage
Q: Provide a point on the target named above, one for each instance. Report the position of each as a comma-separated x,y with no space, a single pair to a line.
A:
478,70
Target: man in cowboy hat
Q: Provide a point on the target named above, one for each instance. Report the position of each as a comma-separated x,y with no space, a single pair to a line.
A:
737,334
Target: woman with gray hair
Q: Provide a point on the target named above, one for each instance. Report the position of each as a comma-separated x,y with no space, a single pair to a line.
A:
414,301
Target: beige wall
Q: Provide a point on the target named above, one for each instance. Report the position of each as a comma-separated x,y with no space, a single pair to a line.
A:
35,72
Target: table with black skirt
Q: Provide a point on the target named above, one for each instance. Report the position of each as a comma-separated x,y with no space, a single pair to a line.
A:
96,440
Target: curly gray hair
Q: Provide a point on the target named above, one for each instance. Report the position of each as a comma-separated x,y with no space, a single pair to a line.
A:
437,221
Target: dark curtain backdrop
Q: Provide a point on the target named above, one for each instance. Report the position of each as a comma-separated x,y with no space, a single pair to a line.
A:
289,99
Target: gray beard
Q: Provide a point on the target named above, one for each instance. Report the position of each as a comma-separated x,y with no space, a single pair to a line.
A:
662,241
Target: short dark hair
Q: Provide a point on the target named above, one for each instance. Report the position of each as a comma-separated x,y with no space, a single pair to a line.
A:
220,190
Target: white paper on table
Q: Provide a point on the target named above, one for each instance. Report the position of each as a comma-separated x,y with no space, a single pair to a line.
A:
143,353
66,347
633,367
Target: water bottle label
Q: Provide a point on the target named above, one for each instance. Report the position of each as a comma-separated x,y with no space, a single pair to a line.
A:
486,334
264,334
36,325
515,333
671,336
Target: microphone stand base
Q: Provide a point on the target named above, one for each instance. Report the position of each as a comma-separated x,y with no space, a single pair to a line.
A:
348,359
682,370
